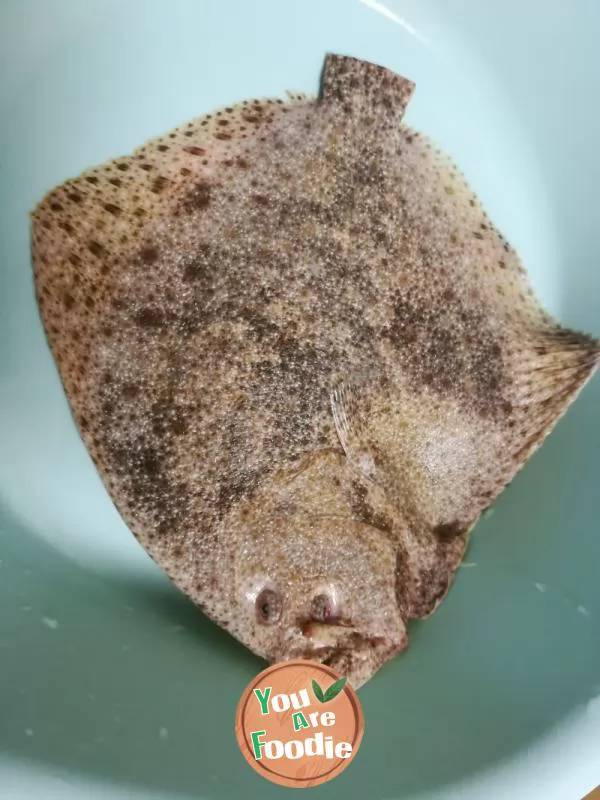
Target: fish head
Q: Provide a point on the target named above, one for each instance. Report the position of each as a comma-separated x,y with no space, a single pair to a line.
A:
312,582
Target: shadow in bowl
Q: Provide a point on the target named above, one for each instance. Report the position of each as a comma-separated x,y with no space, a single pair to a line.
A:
101,678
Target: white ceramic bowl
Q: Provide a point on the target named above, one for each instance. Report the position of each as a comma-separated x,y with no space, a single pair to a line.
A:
111,683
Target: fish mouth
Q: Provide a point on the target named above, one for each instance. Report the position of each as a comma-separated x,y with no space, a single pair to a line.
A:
323,653
354,655
319,654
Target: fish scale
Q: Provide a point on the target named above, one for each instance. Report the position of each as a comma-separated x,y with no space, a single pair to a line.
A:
303,360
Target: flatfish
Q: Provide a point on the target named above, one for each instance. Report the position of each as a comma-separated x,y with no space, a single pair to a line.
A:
303,360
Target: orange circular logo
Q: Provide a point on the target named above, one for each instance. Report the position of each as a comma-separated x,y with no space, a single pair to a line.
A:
299,723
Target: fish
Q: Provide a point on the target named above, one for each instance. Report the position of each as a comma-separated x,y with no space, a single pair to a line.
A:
303,359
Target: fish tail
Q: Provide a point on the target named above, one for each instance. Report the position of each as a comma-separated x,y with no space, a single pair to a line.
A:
365,89
547,380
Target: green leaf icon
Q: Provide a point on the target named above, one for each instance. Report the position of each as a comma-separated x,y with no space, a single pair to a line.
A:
318,691
335,689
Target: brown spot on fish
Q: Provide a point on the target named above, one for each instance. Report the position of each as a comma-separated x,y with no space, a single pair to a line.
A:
448,531
68,300
198,197
130,390
149,318
194,150
237,485
96,248
149,254
159,184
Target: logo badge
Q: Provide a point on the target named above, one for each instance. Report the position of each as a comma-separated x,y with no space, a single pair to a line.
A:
299,723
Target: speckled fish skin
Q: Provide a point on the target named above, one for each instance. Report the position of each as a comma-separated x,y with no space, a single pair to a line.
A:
303,360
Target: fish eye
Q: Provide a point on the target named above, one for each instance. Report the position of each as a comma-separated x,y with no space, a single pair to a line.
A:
324,608
268,606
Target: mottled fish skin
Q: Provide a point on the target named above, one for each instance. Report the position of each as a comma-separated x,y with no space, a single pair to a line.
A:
303,360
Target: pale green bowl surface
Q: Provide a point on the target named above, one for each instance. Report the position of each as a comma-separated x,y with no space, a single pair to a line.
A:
111,683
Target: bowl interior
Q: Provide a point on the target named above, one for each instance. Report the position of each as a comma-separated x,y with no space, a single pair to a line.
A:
109,676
